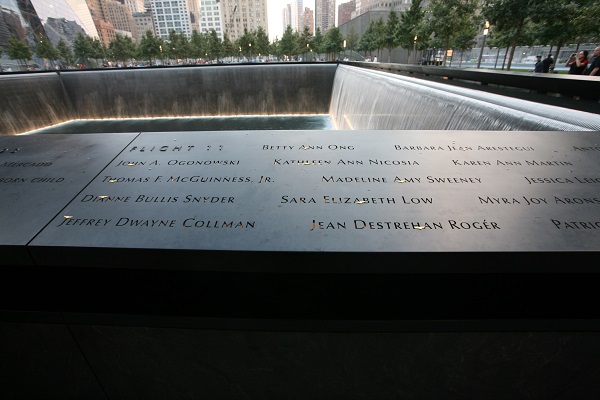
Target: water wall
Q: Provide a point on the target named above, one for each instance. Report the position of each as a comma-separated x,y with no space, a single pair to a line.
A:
356,98
374,100
31,101
265,89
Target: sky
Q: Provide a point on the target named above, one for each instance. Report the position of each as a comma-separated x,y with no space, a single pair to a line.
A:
274,13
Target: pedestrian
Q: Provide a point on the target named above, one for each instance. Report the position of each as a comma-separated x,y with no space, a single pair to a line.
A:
547,64
538,64
593,68
577,63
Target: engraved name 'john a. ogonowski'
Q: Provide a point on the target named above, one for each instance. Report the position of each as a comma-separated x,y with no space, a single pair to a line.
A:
137,163
360,224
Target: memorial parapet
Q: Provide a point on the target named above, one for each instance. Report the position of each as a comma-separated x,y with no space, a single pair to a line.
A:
39,175
168,198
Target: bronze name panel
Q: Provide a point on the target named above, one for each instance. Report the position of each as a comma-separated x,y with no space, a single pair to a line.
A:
341,191
41,174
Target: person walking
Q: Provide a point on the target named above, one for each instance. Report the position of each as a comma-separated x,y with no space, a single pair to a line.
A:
547,64
538,64
577,63
593,68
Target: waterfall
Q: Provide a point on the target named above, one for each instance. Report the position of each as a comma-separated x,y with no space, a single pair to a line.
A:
30,101
373,100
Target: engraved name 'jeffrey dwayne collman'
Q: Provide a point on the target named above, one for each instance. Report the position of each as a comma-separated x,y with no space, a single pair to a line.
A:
192,222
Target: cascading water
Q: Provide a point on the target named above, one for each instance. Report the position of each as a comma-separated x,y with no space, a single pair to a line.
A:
202,91
30,101
371,100
354,98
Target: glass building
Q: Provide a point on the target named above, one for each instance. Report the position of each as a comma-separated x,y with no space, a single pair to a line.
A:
31,20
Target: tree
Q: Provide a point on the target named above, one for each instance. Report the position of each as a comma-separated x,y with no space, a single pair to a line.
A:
390,33
261,41
449,17
19,50
366,43
98,50
149,47
555,21
122,48
464,39
287,45
198,45
509,16
352,39
317,42
46,50
379,35
333,43
228,49
176,47
65,54
587,22
215,46
411,27
82,48
303,45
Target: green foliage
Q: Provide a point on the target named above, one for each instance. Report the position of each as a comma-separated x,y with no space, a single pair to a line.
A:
149,47
390,33
449,17
303,42
215,46
82,47
228,48
121,48
65,54
352,39
261,44
287,45
317,42
333,42
19,50
366,42
46,50
379,35
198,45
509,16
411,25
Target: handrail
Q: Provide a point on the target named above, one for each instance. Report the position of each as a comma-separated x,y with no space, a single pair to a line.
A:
583,86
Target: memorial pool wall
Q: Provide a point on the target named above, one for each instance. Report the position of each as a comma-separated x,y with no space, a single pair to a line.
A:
354,97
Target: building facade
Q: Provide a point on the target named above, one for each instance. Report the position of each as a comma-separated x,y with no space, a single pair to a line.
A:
345,11
169,16
38,19
210,17
324,15
244,15
308,19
